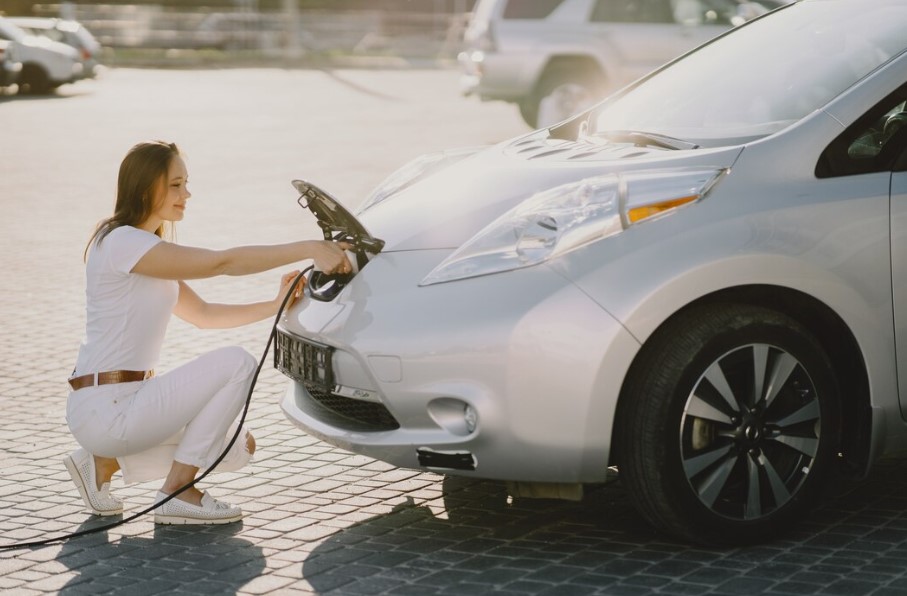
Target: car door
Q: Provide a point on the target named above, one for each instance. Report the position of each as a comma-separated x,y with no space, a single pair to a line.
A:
886,141
899,261
868,163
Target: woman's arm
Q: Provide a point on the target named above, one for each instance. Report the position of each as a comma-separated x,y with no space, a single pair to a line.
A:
191,308
172,261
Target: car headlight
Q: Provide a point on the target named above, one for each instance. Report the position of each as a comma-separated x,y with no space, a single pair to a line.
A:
561,219
413,171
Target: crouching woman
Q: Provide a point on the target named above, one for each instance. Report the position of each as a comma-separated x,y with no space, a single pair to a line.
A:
169,425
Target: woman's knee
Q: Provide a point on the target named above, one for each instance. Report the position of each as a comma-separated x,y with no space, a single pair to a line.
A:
239,360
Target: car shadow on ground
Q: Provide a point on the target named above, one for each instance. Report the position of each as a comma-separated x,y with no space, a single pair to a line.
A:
485,542
201,559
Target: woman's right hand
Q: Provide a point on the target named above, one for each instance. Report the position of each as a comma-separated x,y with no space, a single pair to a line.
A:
329,256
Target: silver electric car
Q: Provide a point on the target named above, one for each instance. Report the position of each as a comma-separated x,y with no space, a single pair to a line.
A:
700,281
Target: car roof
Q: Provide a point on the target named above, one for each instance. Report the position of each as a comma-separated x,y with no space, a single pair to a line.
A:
47,23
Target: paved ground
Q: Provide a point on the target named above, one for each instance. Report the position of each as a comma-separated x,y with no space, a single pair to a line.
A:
319,520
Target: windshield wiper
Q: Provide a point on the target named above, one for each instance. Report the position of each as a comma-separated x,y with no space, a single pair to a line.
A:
646,139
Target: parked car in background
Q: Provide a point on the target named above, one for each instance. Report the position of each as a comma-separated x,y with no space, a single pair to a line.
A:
46,64
555,57
10,67
72,33
702,280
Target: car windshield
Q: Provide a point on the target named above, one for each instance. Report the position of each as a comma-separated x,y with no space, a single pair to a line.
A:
765,75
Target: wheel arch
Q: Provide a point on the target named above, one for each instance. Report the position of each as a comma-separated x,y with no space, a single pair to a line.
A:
35,76
31,65
556,64
585,62
833,334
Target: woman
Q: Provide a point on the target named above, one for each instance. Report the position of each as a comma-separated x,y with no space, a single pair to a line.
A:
172,425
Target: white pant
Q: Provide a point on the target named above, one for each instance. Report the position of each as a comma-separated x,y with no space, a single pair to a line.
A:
186,415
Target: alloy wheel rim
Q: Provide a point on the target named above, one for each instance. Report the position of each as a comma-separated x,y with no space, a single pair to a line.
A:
750,432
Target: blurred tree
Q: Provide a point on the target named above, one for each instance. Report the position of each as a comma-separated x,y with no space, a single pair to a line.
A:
16,7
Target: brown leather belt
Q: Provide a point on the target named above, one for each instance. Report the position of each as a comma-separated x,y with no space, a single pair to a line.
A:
106,378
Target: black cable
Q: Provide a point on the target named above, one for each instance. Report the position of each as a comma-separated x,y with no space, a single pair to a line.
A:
226,450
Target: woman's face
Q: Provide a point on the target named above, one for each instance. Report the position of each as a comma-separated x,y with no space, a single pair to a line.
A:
170,204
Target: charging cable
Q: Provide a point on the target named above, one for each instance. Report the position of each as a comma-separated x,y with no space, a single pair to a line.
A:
239,427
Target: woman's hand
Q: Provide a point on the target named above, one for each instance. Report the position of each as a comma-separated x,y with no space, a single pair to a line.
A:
329,256
286,286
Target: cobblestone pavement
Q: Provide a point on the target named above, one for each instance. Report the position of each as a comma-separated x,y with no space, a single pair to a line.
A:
319,520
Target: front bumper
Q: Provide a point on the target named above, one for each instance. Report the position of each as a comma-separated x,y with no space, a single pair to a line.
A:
527,353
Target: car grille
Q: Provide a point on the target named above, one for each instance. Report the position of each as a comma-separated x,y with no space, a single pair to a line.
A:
351,414
310,364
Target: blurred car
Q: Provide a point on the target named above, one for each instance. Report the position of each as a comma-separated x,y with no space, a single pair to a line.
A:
555,57
46,64
72,33
701,280
10,67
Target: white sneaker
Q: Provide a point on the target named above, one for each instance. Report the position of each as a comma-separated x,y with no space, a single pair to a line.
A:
211,511
80,465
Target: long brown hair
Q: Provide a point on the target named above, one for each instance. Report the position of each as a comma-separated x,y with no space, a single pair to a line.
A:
142,173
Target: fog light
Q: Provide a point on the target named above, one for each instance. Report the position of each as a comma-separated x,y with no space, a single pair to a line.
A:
471,417
454,415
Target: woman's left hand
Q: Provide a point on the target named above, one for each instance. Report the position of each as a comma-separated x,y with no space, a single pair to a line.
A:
286,285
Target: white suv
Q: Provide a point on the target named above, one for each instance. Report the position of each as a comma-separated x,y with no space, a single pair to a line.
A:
46,64
71,33
555,57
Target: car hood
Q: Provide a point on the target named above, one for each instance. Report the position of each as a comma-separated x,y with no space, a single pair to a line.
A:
444,210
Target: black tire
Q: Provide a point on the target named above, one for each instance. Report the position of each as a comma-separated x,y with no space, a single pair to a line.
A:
570,88
34,80
706,460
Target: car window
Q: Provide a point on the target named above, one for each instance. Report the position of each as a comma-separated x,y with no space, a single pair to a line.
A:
874,143
632,11
764,76
530,9
51,34
698,12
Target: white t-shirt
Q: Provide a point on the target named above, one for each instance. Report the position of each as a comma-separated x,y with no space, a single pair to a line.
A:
127,313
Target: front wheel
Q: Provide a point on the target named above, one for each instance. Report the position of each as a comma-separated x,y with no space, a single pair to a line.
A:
729,425
34,80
